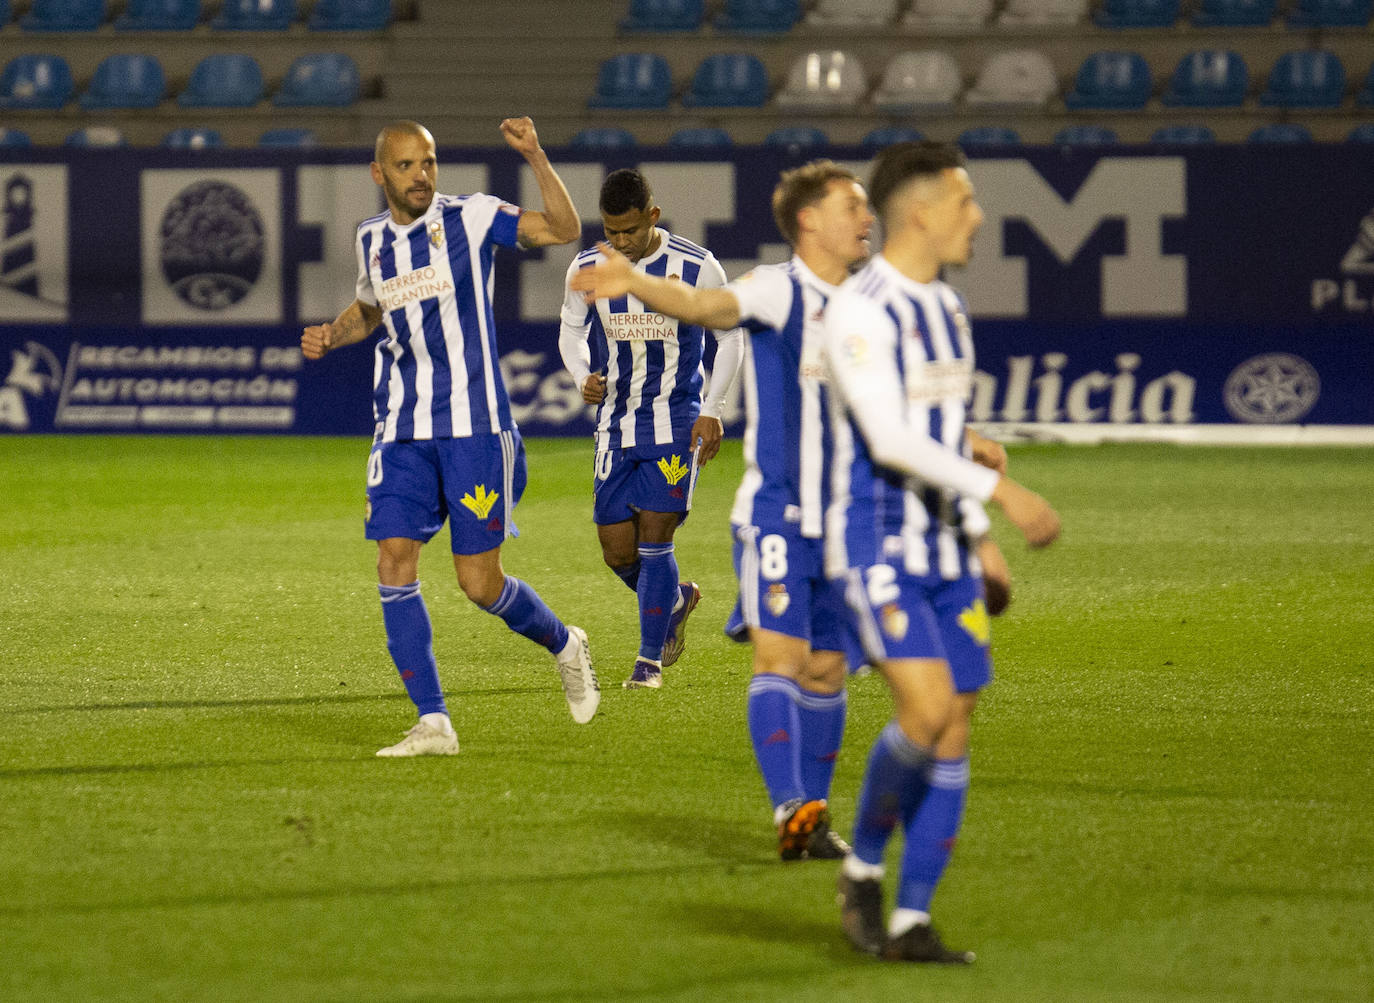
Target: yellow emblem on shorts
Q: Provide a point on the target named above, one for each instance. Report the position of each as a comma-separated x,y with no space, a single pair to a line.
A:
480,502
895,621
673,470
776,599
975,620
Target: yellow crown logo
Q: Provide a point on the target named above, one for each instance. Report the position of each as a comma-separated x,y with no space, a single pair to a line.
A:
480,501
975,620
673,470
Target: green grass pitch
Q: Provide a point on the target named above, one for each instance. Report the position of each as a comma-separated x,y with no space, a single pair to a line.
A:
1173,794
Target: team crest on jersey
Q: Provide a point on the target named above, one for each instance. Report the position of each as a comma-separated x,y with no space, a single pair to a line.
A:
777,600
672,468
480,501
976,622
436,233
895,621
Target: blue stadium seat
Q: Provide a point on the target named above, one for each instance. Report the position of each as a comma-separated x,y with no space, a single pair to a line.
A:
190,138
320,79
767,17
728,80
1362,133
1281,132
1234,13
633,80
350,15
96,136
1365,98
700,138
797,137
255,15
287,137
223,80
601,139
159,15
1086,135
14,137
1184,135
887,135
1330,14
36,80
1111,80
664,15
5,12
989,135
1305,78
126,80
1208,78
1137,14
64,15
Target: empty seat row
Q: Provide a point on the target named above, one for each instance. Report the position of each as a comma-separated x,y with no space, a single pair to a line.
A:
930,81
221,80
183,15
602,139
782,15
186,138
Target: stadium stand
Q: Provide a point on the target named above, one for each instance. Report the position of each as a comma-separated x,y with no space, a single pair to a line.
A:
1111,80
1181,135
224,80
64,15
192,138
287,137
988,135
1365,97
159,15
664,15
1086,135
886,135
36,80
1208,78
762,17
349,15
633,80
255,15
700,138
1019,78
1137,14
1330,14
1281,132
824,81
14,137
728,80
98,136
1305,78
600,138
1234,13
1024,13
796,138
5,13
320,79
965,15
1362,133
914,82
852,13
126,80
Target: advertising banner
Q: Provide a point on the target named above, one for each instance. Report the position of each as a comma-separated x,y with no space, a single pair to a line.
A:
164,291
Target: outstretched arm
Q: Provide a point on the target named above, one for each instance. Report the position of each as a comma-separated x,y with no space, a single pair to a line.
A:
717,308
357,321
558,222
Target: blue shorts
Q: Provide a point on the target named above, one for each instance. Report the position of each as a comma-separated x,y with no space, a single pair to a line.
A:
475,482
643,479
782,588
900,615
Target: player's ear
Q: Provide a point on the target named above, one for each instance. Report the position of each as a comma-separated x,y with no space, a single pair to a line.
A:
654,213
377,173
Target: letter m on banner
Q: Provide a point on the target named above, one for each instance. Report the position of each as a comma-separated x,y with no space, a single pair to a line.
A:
1127,198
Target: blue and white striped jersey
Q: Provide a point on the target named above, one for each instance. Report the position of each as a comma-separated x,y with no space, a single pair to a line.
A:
437,373
652,362
787,439
901,358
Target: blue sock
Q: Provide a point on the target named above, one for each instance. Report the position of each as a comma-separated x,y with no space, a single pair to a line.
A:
657,592
410,639
931,829
629,574
893,779
525,613
775,730
822,727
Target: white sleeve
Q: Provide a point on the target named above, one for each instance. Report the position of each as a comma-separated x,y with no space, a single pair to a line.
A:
363,287
764,295
572,332
729,352
860,344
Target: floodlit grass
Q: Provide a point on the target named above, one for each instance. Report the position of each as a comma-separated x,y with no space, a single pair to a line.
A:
1172,794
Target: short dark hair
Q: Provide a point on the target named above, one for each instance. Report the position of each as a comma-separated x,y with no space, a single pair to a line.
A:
801,187
624,190
899,163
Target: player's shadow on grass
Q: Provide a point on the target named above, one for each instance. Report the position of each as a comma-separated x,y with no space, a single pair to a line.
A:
809,923
733,842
